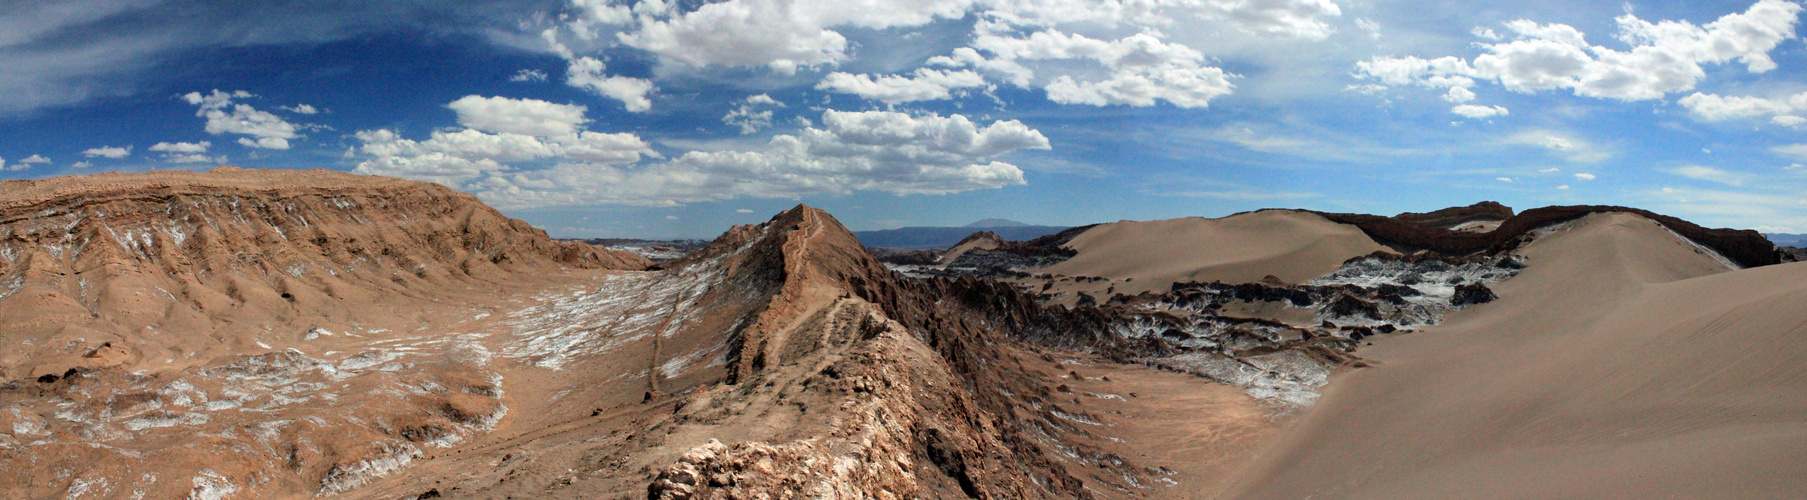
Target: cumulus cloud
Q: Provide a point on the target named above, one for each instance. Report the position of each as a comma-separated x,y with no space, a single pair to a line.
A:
590,74
186,152
925,85
853,151
1479,112
110,152
530,117
19,166
266,130
743,211
1303,19
1586,176
81,164
750,116
181,147
528,75
1715,108
1140,68
451,157
1308,19
39,159
1458,95
499,131
779,34
300,109
1026,43
1665,57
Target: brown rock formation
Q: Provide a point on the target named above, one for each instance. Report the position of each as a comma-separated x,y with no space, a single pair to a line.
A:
1449,218
113,258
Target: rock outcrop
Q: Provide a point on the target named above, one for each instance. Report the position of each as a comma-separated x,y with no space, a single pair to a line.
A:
1746,247
113,258
251,333
1450,218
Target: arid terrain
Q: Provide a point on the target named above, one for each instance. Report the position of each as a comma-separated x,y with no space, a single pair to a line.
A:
292,334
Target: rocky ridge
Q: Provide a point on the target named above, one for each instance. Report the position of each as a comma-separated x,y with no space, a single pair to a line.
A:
242,332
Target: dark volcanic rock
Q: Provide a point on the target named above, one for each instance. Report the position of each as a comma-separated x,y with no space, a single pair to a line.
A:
1349,306
1455,216
1472,294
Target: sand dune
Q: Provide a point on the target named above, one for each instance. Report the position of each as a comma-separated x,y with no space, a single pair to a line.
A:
1622,363
1294,246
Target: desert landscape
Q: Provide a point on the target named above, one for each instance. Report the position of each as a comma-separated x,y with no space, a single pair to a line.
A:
902,249
245,333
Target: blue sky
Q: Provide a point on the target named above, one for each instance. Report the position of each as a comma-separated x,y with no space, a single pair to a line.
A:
676,119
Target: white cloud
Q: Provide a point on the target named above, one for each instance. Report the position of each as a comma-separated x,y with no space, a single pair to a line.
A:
1306,19
1564,186
1459,95
528,75
499,131
780,34
851,151
1710,174
1142,67
743,211
1302,19
1788,120
81,164
20,166
1550,170
1713,108
1503,179
186,152
181,147
1369,26
1586,176
925,85
35,159
1479,112
1795,150
589,73
529,117
268,130
300,109
748,117
1573,147
110,152
1665,57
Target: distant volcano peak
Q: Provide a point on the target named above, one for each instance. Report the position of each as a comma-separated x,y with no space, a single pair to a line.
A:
997,223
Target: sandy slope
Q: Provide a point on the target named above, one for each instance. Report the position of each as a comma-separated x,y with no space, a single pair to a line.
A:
1621,363
1294,246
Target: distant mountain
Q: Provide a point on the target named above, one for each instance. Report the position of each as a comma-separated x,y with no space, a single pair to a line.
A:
991,223
1787,240
943,237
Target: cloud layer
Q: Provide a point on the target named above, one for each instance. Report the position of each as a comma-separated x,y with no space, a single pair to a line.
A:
524,153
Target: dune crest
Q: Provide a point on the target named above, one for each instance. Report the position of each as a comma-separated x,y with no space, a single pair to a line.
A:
1623,361
1292,245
